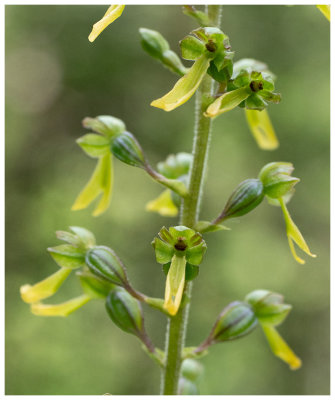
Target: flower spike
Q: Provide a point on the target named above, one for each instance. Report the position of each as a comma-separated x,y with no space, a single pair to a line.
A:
110,16
294,235
184,89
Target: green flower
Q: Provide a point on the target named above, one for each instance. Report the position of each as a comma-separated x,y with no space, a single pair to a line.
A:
205,46
178,245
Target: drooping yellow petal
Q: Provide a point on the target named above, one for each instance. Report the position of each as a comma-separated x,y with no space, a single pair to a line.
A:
294,235
185,87
325,9
60,310
101,181
110,16
280,348
227,102
163,205
175,282
261,127
45,288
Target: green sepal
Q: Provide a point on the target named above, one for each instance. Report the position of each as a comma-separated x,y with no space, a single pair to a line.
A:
247,196
125,311
191,48
201,17
223,75
70,238
268,307
236,320
207,227
164,251
94,286
105,124
67,256
127,149
104,263
191,271
86,236
94,145
195,254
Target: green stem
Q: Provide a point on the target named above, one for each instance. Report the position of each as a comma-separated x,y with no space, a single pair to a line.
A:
176,328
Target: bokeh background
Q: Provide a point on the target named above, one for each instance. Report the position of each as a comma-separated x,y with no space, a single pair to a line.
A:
54,78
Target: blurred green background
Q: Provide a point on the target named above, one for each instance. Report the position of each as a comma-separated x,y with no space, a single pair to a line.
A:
54,78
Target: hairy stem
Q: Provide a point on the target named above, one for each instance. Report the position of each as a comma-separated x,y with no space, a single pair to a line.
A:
176,328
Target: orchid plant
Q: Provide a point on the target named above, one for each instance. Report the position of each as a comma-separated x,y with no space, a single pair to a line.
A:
219,84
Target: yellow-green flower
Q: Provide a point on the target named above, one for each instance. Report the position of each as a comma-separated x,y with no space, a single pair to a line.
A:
110,16
325,9
280,348
294,235
261,127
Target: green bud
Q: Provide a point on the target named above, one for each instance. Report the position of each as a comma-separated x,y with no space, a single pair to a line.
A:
158,47
104,263
127,149
247,196
191,369
67,256
93,286
268,307
125,311
86,237
94,145
277,180
176,165
105,124
187,388
235,321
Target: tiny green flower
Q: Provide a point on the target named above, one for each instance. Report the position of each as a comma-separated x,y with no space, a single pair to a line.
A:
110,16
278,187
178,245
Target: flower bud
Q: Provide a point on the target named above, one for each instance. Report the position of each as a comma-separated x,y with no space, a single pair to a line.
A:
125,311
68,256
187,388
105,124
247,196
276,179
158,47
175,165
268,306
201,17
81,237
103,262
235,321
191,369
127,149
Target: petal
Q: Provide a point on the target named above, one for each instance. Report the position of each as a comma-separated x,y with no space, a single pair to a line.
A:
325,9
227,102
280,348
60,310
45,288
110,16
293,234
175,282
163,205
100,181
185,87
262,129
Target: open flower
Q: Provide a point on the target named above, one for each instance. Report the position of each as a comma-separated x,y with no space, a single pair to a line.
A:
279,187
204,46
178,246
110,16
